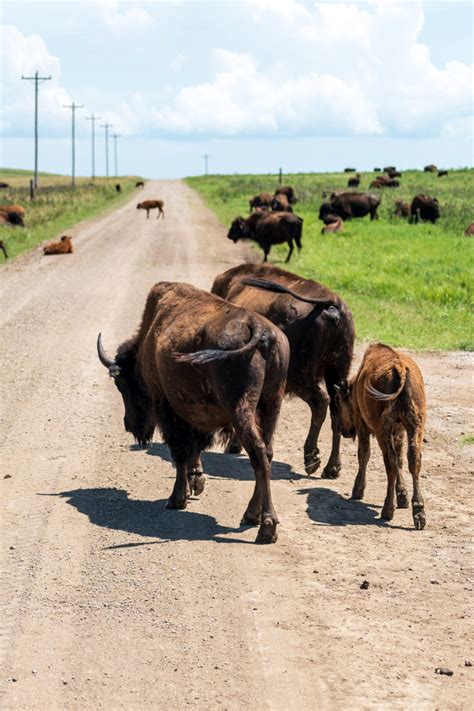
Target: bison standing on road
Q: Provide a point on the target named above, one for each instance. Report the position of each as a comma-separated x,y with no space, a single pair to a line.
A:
320,329
386,398
152,205
349,205
199,366
267,229
424,207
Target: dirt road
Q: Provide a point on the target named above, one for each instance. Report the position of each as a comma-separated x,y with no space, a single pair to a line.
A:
109,601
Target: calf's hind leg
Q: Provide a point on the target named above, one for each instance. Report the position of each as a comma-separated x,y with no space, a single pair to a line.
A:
402,493
415,437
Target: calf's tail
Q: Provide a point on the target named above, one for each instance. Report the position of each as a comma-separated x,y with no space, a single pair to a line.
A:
399,374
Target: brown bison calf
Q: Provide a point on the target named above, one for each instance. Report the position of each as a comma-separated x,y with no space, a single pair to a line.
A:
386,398
331,227
140,184
152,205
280,204
469,230
62,247
402,209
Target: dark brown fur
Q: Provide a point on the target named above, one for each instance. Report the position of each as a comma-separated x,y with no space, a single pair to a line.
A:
386,398
289,192
267,229
424,207
62,247
199,365
262,200
469,230
354,182
430,168
321,341
152,205
13,215
280,204
140,184
349,205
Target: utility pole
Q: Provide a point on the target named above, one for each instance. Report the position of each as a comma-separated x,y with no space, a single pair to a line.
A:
37,81
73,108
206,156
107,126
93,118
115,136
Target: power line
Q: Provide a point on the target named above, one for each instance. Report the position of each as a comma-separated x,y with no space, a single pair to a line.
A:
93,118
73,108
37,81
206,157
115,136
107,126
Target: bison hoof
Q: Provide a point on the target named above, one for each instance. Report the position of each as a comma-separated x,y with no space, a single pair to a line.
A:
402,500
387,513
250,519
357,494
199,482
331,472
176,503
267,532
419,519
311,463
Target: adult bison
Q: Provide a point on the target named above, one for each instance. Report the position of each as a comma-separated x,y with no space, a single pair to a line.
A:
424,207
280,204
199,366
289,192
262,200
431,168
354,181
320,330
267,229
349,205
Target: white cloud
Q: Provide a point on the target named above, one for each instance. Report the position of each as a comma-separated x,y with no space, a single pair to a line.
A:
120,19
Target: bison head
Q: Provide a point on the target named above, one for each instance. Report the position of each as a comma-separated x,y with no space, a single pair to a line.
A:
343,409
238,230
123,369
325,210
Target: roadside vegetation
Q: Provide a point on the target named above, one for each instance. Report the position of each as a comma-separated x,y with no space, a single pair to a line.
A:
407,285
57,206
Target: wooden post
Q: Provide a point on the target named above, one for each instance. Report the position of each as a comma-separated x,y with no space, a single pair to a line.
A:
32,189
280,176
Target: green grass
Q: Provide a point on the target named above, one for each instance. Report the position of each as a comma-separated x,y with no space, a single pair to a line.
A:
57,206
407,285
467,439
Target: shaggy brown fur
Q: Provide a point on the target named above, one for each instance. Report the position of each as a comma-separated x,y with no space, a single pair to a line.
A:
348,205
267,229
289,192
263,200
12,214
199,365
280,204
424,207
152,205
62,247
320,329
386,398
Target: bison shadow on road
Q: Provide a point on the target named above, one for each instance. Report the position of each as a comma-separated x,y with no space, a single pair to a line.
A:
328,508
228,466
112,508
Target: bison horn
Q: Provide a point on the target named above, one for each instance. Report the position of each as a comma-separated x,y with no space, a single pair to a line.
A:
105,359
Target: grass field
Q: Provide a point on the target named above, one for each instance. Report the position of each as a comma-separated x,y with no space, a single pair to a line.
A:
57,206
407,285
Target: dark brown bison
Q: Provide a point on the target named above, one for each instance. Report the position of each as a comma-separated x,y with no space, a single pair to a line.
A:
118,188
386,398
430,168
289,192
320,330
383,181
442,173
13,215
354,182
199,366
64,246
4,185
262,200
377,170
280,204
424,207
152,205
140,184
402,209
267,229
349,170
394,174
388,168
469,230
3,248
349,205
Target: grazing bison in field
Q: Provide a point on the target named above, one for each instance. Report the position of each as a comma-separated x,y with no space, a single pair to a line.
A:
442,173
289,192
386,398
424,207
64,246
118,188
349,170
336,225
354,182
140,184
402,209
4,185
3,248
377,170
13,215
394,174
280,204
430,168
349,205
384,181
267,229
388,168
262,200
469,230
152,205
320,330
197,367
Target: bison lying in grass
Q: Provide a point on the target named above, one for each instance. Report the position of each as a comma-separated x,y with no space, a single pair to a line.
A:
12,215
386,398
64,246
267,229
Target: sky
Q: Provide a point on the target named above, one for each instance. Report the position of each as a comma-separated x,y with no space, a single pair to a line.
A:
258,85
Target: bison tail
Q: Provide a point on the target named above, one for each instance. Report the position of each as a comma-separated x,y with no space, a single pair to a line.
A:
274,286
210,355
398,374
